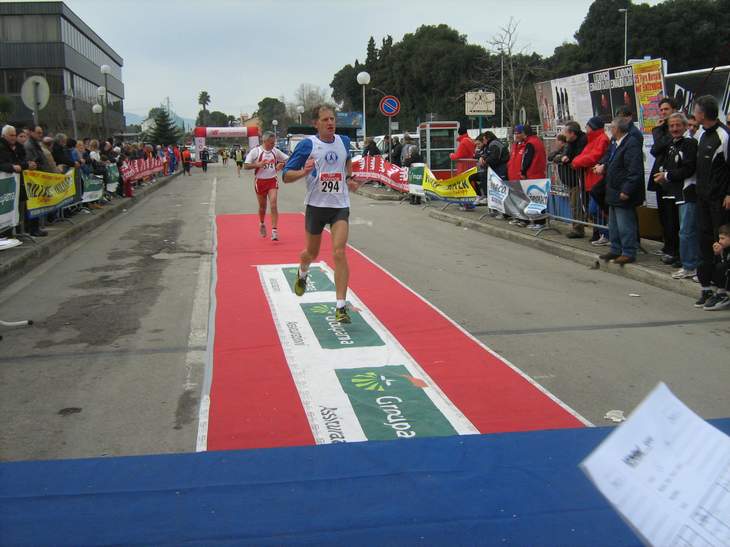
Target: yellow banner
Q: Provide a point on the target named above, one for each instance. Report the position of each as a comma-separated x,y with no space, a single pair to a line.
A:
457,188
48,191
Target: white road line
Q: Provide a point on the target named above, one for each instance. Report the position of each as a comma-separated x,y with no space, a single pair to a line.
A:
203,325
468,334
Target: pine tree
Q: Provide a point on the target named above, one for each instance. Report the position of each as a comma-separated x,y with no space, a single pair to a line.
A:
165,131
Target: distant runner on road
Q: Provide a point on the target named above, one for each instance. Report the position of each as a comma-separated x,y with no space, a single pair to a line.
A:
324,159
239,155
267,160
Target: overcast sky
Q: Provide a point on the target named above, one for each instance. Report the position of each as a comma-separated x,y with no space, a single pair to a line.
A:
241,51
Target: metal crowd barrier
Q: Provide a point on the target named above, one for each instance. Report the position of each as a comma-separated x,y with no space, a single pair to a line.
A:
569,202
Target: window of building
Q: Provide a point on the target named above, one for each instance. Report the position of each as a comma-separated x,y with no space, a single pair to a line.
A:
30,28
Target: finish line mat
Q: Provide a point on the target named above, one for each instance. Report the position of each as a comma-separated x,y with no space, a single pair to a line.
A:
286,373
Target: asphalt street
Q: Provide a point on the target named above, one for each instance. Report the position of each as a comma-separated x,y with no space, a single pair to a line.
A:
114,363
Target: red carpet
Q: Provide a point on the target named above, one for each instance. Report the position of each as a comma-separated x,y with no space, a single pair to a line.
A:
255,402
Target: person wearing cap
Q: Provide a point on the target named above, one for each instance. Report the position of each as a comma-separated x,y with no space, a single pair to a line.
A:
592,153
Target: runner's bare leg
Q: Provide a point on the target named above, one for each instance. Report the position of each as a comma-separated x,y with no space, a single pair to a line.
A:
273,203
262,207
310,253
340,231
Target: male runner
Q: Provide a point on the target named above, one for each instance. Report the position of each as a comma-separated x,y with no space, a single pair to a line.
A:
267,160
324,159
239,155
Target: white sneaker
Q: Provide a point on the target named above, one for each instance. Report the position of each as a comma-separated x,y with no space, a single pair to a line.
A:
695,279
601,241
684,274
274,235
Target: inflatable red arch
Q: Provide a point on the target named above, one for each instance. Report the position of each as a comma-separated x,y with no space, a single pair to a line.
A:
201,133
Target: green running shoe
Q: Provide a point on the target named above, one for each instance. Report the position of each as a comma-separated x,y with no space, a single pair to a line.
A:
300,285
342,315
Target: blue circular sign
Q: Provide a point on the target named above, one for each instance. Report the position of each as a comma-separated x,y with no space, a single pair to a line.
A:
389,106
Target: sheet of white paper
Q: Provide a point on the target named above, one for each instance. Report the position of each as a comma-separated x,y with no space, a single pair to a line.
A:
667,472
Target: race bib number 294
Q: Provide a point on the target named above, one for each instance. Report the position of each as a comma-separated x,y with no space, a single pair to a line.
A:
330,183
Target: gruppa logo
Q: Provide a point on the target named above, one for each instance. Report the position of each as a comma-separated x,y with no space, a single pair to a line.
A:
391,404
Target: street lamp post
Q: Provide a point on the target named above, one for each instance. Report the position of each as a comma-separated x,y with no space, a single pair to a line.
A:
625,11
97,109
105,70
300,110
363,78
275,123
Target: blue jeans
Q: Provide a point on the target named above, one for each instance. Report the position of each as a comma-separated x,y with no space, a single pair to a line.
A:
622,231
688,244
597,215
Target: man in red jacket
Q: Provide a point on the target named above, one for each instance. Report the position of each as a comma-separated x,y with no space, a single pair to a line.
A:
595,149
514,165
466,147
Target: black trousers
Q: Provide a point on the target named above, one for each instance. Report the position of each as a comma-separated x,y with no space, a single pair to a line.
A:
669,216
721,275
710,216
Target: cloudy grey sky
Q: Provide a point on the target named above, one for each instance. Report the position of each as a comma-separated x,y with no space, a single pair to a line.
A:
241,51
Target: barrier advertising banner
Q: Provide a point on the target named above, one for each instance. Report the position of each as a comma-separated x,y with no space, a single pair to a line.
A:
376,168
112,178
456,189
93,188
524,199
8,200
132,170
415,178
48,191
649,86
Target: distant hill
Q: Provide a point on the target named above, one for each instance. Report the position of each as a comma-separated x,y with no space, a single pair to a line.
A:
136,119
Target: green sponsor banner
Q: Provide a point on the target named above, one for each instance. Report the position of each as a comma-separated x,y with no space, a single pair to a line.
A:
415,174
112,173
335,335
390,404
8,200
317,280
93,188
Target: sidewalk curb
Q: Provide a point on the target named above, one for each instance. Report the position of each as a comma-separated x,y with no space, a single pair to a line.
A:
365,192
636,272
31,255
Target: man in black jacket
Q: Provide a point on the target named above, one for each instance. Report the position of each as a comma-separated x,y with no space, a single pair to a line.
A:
668,213
13,160
576,141
713,188
675,177
624,192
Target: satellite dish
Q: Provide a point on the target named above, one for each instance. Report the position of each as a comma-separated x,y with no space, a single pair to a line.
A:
35,93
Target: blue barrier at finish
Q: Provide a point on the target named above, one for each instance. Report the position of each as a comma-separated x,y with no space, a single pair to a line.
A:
507,489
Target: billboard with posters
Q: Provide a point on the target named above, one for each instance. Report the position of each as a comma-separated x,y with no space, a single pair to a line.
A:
609,89
546,107
686,86
571,99
649,85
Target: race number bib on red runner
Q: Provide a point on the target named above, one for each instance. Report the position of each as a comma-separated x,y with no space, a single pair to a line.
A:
330,183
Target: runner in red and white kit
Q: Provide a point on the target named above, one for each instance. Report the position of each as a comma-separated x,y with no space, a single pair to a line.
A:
267,160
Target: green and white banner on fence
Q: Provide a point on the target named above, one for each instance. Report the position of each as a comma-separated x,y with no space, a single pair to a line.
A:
355,381
8,200
93,188
415,178
112,178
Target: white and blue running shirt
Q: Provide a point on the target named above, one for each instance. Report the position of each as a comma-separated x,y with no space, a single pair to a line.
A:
327,183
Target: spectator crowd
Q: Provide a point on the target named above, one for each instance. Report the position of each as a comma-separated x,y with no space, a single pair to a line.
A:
23,149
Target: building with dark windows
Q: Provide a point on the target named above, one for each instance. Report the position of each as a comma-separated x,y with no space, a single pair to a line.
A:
48,39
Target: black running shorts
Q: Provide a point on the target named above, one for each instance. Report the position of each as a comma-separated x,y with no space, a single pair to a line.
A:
316,218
